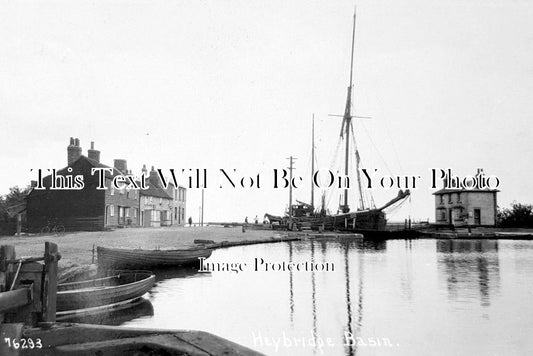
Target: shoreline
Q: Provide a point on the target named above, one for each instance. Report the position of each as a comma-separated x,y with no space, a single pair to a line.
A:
76,248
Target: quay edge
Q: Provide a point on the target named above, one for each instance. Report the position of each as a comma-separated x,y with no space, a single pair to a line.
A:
87,339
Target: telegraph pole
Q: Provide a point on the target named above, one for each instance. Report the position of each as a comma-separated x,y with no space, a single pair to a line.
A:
202,220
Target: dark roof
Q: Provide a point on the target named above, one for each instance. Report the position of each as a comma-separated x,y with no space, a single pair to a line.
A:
19,208
455,190
96,164
81,160
155,191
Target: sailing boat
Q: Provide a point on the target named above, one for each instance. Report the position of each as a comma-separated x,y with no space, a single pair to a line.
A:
366,220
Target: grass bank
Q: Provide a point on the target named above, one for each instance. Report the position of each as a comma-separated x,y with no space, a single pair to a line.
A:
76,247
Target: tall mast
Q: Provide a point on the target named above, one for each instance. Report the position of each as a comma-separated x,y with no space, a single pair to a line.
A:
347,122
313,163
291,160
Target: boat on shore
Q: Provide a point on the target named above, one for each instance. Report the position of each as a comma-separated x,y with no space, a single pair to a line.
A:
102,293
109,258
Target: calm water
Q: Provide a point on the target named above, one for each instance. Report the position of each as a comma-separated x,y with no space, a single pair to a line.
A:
420,297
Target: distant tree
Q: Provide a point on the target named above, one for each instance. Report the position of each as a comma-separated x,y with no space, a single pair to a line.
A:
8,203
520,215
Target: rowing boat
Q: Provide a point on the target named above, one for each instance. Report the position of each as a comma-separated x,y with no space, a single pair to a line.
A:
100,292
138,258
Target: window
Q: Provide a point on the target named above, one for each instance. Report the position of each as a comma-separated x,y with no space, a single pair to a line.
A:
112,191
450,198
160,201
127,212
442,199
134,212
146,200
128,194
111,210
458,197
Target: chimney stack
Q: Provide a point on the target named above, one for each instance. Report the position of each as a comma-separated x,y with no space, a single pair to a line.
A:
93,154
121,165
73,151
154,177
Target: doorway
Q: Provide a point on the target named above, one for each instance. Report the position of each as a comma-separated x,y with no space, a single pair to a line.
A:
477,216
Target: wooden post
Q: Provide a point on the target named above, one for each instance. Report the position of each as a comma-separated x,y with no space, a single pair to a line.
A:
33,298
7,252
19,223
49,287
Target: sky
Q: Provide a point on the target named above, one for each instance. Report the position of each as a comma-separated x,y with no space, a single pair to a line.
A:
233,85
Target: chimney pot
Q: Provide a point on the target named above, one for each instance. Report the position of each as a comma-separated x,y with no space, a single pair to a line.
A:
154,178
121,165
73,151
93,154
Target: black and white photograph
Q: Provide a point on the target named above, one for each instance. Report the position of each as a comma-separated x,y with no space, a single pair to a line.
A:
339,178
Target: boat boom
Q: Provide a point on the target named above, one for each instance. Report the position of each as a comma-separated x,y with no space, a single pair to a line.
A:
401,196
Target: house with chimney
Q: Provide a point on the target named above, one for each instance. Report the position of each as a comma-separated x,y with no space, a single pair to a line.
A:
476,206
155,202
160,206
88,208
179,205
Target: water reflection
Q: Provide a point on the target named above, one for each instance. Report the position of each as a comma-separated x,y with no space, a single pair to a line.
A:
291,292
349,329
313,293
140,308
413,296
376,246
166,273
468,265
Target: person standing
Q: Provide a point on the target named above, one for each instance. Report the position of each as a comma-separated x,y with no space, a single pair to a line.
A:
190,221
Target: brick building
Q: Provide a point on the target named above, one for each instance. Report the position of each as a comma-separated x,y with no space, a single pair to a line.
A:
462,207
161,206
179,205
155,204
88,208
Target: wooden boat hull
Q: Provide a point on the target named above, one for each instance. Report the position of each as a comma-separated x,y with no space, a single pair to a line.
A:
137,258
368,220
127,285
111,314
